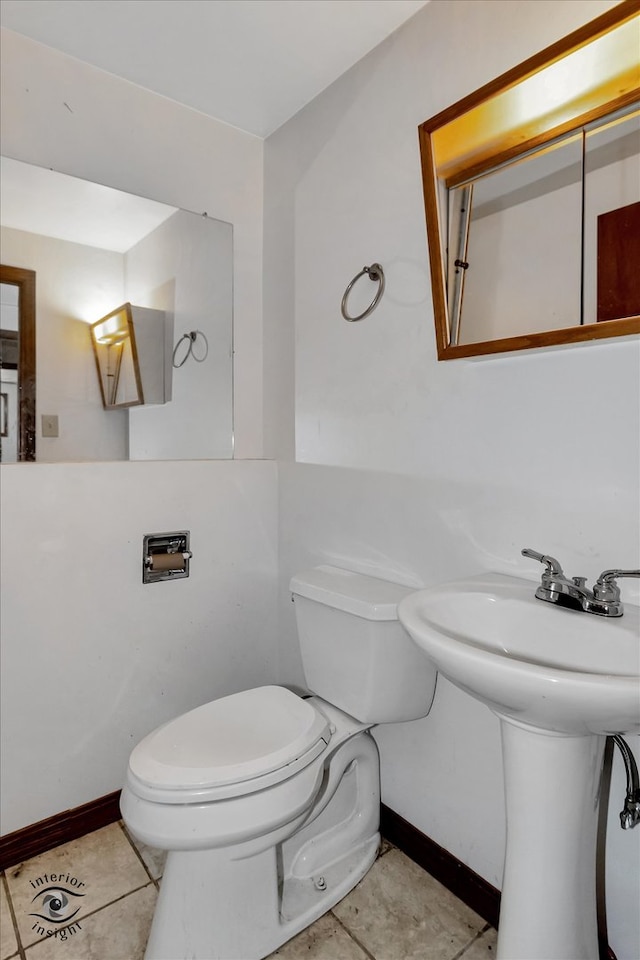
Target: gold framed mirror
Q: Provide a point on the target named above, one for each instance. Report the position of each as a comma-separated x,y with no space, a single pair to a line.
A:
532,198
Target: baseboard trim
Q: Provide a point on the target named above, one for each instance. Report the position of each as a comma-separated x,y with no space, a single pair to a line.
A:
61,828
456,876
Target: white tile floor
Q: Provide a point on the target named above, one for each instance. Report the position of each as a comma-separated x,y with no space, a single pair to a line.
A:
397,912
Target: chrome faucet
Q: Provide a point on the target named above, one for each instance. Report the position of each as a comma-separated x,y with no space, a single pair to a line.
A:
603,599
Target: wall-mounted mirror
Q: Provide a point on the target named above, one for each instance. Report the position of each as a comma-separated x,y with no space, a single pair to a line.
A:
532,198
90,250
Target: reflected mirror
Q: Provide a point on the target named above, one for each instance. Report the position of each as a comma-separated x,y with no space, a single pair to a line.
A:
91,252
113,339
134,356
533,205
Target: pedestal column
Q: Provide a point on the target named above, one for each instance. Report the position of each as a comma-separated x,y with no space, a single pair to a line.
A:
552,789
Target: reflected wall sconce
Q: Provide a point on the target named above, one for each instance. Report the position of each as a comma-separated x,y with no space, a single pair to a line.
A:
130,350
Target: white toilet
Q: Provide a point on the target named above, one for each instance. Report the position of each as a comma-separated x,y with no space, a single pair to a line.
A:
268,803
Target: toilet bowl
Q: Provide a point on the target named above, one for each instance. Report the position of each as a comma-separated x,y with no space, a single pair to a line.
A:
268,803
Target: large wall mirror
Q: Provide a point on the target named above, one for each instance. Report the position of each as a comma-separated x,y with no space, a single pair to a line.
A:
74,253
532,198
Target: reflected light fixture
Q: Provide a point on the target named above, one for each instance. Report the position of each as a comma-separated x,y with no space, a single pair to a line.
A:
590,79
112,329
114,347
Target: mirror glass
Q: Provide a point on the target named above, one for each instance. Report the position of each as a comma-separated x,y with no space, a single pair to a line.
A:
91,250
533,206
17,364
9,343
544,215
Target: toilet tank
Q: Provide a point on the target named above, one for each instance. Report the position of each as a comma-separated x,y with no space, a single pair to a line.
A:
355,652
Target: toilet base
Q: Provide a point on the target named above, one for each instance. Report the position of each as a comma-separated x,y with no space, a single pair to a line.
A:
306,899
243,901
224,914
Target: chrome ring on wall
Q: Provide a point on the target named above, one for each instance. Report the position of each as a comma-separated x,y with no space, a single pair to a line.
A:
374,272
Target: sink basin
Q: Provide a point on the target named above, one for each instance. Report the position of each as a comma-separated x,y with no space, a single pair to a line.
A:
543,665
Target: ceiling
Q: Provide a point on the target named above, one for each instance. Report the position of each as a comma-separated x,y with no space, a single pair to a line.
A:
250,63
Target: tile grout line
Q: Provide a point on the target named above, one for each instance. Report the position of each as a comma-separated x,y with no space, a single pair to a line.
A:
479,934
362,947
154,880
14,919
351,936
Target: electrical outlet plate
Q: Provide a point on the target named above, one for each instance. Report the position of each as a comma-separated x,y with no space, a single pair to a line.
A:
50,425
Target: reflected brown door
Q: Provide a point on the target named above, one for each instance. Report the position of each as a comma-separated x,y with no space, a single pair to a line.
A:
619,263
26,281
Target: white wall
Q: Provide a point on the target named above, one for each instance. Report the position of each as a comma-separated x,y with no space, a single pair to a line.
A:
92,659
73,284
459,464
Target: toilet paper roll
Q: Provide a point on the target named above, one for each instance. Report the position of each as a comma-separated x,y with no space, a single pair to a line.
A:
168,561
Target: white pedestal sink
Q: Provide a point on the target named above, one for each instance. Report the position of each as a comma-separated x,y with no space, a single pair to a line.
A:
560,681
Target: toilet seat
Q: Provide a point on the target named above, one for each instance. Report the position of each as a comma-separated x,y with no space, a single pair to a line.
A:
229,747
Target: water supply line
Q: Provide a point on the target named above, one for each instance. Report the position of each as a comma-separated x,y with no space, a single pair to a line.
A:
630,813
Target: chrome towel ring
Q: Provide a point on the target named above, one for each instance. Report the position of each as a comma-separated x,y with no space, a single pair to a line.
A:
374,272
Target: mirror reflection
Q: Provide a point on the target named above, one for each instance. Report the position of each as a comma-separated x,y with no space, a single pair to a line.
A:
566,212
91,250
17,364
532,198
9,307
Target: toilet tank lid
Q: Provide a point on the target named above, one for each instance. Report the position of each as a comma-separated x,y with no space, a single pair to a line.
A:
356,593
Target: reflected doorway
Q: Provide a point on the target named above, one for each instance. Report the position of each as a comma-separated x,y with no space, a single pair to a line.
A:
17,365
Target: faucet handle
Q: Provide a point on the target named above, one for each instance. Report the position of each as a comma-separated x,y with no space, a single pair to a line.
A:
553,566
606,588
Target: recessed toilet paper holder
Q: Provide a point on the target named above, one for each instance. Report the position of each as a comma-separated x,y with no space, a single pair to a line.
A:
165,556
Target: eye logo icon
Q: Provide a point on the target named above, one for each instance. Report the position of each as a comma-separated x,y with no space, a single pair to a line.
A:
55,904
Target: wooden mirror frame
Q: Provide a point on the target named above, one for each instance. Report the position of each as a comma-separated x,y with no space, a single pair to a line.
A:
432,183
26,281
